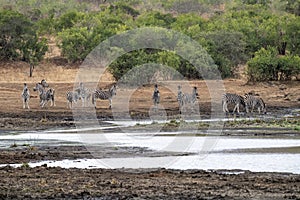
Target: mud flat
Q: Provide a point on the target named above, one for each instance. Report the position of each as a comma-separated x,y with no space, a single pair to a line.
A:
58,183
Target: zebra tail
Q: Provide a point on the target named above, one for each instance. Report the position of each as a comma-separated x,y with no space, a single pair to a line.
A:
93,99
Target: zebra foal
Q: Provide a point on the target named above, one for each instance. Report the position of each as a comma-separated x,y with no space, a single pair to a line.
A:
104,95
25,96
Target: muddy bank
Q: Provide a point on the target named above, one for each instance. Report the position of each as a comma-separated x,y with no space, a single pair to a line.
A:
43,119
23,154
58,183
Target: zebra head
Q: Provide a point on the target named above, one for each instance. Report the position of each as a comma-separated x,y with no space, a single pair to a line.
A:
44,83
39,87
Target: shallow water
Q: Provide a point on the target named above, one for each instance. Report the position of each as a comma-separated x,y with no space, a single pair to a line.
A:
208,152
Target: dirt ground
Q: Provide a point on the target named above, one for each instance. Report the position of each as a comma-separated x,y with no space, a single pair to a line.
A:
57,183
277,96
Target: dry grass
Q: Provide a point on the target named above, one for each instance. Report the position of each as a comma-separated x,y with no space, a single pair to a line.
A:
18,72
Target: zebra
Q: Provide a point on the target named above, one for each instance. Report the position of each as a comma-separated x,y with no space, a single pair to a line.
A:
191,98
104,95
253,101
187,99
72,97
45,96
25,96
84,93
156,96
180,95
236,99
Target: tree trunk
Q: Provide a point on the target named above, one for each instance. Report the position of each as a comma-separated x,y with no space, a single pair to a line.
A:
282,48
31,70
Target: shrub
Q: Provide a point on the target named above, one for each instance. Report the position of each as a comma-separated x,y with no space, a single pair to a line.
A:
268,65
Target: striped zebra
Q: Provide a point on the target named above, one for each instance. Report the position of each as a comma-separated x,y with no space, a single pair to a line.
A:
25,96
235,99
72,97
252,101
191,98
104,95
185,100
156,96
84,93
180,95
45,95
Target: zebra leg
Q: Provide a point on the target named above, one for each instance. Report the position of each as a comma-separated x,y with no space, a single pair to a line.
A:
43,103
23,103
82,101
236,107
94,100
225,108
53,102
27,102
110,103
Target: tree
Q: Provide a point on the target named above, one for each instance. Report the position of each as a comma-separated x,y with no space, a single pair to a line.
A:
18,40
268,65
227,49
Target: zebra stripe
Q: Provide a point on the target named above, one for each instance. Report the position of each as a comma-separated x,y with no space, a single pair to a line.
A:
25,96
104,95
252,101
235,99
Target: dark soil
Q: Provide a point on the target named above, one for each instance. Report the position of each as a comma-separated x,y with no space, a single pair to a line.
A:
57,183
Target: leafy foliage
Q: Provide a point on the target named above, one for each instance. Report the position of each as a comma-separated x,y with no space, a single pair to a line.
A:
19,40
268,65
263,32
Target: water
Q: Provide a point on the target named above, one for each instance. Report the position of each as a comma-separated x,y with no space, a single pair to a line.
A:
209,152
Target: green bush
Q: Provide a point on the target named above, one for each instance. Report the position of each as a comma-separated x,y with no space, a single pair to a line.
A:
267,65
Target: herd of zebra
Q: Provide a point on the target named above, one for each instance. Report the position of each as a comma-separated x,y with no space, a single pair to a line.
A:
86,95
189,100
47,94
